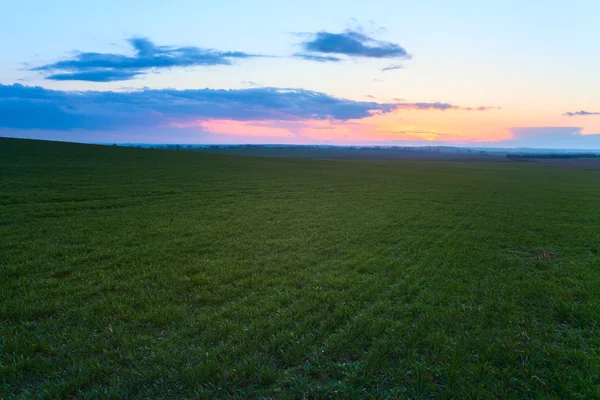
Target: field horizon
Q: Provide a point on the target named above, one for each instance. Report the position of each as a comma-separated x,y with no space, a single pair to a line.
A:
143,273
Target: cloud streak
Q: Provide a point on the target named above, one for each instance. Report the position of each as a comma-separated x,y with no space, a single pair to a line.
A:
392,67
317,58
108,67
580,113
442,107
353,43
107,75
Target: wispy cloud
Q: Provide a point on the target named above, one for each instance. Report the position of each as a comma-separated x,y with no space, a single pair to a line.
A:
392,67
480,108
108,67
442,107
314,57
580,113
353,43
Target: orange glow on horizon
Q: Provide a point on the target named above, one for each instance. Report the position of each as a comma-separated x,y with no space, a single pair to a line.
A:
456,126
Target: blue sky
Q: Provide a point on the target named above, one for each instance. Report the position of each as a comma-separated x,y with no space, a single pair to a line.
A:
531,65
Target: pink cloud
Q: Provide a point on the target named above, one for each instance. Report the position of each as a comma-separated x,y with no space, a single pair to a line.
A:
241,128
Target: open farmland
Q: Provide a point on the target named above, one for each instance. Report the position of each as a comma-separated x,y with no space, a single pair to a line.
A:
143,273
367,153
591,164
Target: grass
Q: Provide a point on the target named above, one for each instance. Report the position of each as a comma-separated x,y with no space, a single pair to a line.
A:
131,273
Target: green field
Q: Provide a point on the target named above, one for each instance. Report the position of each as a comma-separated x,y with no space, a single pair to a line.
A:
415,154
145,273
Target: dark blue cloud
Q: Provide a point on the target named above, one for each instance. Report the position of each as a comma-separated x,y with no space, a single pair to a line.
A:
26,107
353,43
580,113
106,67
314,57
107,75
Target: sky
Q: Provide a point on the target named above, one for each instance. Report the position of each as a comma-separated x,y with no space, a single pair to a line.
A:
472,73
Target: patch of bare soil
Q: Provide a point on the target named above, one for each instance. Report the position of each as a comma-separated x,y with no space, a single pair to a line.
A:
545,255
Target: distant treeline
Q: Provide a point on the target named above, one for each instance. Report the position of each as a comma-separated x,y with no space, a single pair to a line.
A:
412,149
554,155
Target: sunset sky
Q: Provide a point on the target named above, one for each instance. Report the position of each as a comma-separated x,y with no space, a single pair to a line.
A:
503,74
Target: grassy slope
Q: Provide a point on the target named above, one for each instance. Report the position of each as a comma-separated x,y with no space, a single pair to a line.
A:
128,272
